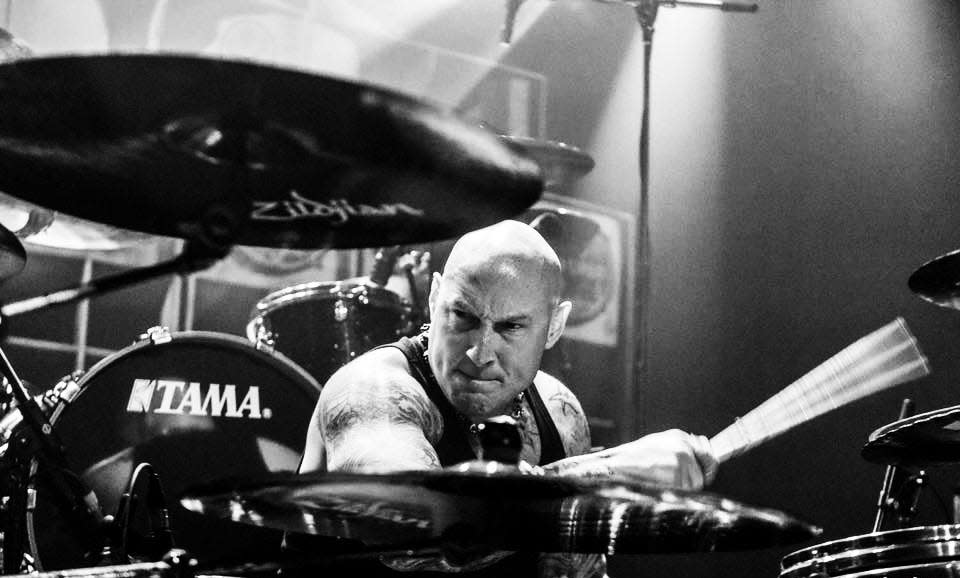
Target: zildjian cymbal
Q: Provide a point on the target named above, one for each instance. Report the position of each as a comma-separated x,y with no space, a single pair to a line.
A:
501,509
248,154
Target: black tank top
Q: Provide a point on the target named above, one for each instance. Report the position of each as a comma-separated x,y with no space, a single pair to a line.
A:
454,446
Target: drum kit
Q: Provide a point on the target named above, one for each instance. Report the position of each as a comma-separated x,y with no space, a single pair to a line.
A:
190,439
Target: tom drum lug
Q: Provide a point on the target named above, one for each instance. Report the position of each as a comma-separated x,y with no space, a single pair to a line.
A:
158,335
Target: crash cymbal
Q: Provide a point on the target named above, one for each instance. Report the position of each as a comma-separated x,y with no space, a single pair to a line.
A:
938,280
189,147
501,509
926,439
561,163
13,257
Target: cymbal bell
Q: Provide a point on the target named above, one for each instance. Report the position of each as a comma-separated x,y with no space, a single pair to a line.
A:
926,439
501,509
248,154
938,280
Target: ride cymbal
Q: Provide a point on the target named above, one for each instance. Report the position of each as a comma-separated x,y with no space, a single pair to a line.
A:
248,154
926,439
561,163
938,280
500,509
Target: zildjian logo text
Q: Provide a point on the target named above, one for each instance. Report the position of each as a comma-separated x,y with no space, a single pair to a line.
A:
337,211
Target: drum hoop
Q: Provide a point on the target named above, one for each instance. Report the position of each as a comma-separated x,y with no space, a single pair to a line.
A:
844,550
336,289
299,291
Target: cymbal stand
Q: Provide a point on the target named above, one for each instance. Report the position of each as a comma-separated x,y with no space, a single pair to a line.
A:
901,501
79,503
38,438
646,12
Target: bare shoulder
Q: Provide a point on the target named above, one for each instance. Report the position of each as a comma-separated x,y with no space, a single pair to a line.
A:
373,415
567,414
376,389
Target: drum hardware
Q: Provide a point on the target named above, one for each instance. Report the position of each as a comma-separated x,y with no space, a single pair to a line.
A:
38,442
504,509
142,520
903,501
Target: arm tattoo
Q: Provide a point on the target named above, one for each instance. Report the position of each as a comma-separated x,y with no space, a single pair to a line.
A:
572,565
391,403
566,401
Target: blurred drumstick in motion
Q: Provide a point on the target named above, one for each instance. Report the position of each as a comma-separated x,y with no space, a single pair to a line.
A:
889,356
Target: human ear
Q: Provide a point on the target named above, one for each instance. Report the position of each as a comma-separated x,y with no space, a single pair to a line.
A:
434,290
558,322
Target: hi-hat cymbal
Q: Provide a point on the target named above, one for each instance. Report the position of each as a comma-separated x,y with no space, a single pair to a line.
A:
186,146
938,280
561,163
501,510
926,439
13,257
35,225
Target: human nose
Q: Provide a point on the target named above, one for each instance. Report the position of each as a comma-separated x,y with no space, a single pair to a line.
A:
482,350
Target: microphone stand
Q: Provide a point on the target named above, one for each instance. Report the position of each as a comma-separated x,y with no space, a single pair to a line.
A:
646,12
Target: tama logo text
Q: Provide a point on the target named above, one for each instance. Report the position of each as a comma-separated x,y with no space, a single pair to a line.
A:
165,396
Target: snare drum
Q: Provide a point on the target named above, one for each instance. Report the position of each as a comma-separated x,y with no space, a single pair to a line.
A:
921,552
322,326
197,406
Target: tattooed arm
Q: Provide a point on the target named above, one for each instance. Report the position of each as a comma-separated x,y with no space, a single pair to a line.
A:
373,416
574,431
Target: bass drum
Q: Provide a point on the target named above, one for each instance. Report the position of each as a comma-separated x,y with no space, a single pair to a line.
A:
197,406
920,552
324,325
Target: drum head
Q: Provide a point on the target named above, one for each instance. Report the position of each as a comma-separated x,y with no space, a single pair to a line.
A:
322,326
200,407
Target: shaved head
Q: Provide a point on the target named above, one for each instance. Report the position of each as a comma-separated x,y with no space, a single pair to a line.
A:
493,312
12,48
509,249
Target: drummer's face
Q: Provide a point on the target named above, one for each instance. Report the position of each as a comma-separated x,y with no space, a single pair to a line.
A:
489,328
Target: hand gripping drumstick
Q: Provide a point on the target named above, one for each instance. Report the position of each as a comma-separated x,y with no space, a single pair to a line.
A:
887,357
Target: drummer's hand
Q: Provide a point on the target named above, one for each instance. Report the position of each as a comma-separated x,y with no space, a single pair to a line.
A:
672,458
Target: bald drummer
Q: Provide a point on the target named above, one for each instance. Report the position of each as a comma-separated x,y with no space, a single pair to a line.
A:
410,405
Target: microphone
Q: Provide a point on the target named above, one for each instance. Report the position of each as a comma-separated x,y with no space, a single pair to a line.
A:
506,33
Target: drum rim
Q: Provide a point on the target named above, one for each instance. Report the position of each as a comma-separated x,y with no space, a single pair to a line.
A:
293,293
887,541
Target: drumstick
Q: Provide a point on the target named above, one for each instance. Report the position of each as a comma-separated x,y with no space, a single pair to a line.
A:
884,358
